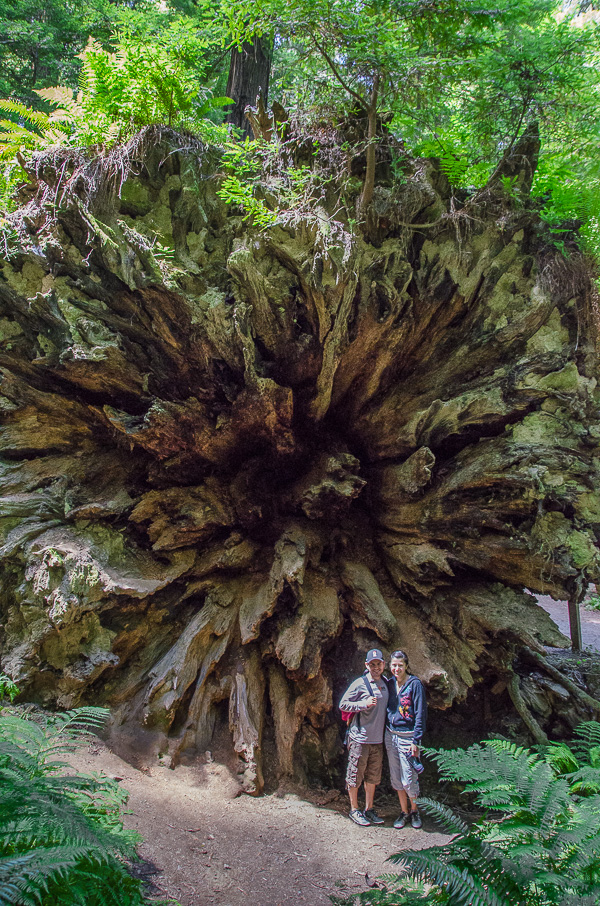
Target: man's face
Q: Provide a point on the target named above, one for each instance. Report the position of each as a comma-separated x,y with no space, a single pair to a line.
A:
375,668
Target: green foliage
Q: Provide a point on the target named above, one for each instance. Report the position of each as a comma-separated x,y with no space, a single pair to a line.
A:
393,893
539,844
463,76
144,82
62,841
243,165
8,689
593,602
148,79
451,79
157,79
455,81
41,40
578,761
35,130
262,180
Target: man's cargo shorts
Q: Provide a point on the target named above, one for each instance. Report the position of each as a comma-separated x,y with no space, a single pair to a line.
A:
365,763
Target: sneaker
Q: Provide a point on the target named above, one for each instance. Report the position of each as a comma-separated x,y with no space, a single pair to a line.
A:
401,820
372,816
357,816
415,820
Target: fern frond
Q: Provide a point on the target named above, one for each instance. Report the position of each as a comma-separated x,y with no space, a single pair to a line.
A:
508,747
74,728
585,781
449,820
459,884
507,778
22,739
561,758
587,738
23,876
59,95
37,118
544,849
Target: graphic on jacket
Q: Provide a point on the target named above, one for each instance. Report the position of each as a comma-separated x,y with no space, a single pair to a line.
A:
405,709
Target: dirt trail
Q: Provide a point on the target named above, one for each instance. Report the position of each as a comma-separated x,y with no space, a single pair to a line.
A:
212,847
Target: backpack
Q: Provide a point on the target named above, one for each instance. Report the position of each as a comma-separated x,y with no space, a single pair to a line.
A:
348,715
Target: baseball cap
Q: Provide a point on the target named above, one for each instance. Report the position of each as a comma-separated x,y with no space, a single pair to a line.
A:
374,655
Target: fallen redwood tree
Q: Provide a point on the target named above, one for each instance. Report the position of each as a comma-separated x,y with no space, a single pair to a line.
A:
232,460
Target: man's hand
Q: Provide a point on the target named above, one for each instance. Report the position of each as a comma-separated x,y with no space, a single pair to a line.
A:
414,750
371,702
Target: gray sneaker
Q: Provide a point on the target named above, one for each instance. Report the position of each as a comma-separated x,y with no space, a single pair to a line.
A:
372,816
415,820
357,816
401,820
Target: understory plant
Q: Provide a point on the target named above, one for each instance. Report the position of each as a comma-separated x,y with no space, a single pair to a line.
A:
147,80
262,180
62,840
593,602
579,760
537,844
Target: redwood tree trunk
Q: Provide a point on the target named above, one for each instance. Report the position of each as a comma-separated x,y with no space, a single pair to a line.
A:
228,471
249,72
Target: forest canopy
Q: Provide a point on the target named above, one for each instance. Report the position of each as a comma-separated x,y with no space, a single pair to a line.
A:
456,79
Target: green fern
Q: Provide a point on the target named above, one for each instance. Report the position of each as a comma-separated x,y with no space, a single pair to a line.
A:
449,820
8,689
62,840
460,883
147,80
578,762
527,782
541,848
561,758
587,738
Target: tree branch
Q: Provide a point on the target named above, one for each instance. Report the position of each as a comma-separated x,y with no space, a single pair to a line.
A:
335,71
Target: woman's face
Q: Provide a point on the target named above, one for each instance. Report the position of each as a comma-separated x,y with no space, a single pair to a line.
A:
398,667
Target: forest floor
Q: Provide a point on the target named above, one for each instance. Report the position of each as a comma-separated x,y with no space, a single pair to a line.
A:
205,845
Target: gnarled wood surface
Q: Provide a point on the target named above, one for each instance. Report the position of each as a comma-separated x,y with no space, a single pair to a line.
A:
229,469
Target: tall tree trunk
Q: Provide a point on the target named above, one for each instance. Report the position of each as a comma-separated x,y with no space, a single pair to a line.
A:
369,183
228,472
249,71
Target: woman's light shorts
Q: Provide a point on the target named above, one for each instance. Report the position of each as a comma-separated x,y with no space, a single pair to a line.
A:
402,774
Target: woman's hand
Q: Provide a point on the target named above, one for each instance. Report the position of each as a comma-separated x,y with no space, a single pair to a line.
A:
414,750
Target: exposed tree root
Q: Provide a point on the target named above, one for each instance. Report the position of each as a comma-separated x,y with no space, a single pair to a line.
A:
560,677
524,712
231,463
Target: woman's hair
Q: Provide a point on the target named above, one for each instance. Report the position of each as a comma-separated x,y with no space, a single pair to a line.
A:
401,656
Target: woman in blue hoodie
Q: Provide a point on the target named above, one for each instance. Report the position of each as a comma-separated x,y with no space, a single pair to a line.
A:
406,716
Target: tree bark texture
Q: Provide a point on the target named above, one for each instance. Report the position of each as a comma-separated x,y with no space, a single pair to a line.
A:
249,72
231,468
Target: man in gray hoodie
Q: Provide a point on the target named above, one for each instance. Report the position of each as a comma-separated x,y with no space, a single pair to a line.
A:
367,699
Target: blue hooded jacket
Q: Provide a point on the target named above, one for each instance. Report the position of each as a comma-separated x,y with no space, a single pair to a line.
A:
407,711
